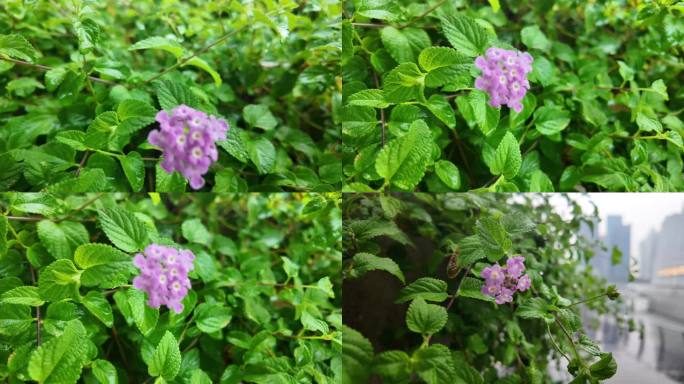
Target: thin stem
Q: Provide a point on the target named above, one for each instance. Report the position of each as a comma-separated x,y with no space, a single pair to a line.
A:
83,206
369,25
453,297
382,111
25,218
589,299
548,330
423,14
38,318
46,68
572,343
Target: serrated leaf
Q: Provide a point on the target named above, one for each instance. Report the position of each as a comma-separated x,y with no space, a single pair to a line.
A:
134,169
201,64
59,280
123,229
605,368
61,359
195,232
397,45
485,116
426,288
166,359
395,365
402,162
212,317
17,47
104,372
88,33
448,173
434,364
535,308
15,319
549,120
258,115
534,38
172,94
425,318
357,356
472,250
263,154
369,229
103,265
472,288
464,34
24,295
97,304
404,83
365,262
507,159
369,98
157,42
61,239
440,107
493,238
648,124
144,316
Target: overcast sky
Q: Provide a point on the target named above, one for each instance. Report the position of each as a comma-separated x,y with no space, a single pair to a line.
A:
643,211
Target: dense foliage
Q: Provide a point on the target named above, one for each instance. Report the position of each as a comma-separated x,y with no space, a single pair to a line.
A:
414,309
81,82
264,306
603,112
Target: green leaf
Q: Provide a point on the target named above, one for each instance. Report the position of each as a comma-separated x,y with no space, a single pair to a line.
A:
212,317
15,319
365,262
157,42
535,308
464,34
372,228
495,5
472,288
123,229
25,295
648,124
144,316
675,138
404,83
134,169
168,182
357,356
434,364
263,154
540,182
425,288
166,359
402,161
369,98
486,116
605,368
660,88
397,45
626,72
61,359
507,159
201,64
59,280
395,365
312,323
17,47
195,232
258,115
448,173
443,64
550,120
440,107
104,372
235,144
98,305
493,237
472,250
425,318
61,239
4,224
103,265
200,377
534,38
88,33
172,94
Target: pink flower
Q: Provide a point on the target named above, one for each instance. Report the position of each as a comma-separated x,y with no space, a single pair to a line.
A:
188,138
504,76
493,274
164,275
503,283
515,266
523,283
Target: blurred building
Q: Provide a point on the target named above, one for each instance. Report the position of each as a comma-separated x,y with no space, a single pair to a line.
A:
617,235
647,251
663,251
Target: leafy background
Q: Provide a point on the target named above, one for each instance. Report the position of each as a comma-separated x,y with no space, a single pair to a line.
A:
603,112
265,304
81,82
413,309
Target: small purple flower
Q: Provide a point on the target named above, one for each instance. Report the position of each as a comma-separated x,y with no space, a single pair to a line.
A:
515,266
493,274
503,283
164,275
504,76
505,296
188,138
523,283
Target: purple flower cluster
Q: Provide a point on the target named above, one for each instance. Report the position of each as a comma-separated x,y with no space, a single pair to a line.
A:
188,139
164,275
504,76
502,283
